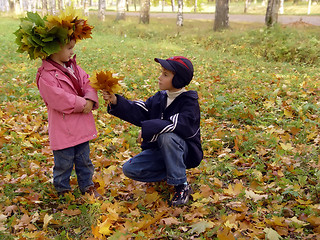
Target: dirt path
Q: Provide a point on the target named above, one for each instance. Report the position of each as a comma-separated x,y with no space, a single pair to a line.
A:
284,19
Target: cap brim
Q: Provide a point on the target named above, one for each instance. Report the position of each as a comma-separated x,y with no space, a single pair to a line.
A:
165,64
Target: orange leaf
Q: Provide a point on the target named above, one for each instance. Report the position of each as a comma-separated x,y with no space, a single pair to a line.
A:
225,234
106,81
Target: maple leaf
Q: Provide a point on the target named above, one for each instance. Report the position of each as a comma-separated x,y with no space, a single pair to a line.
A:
106,81
225,234
272,234
71,212
201,226
46,220
169,221
255,197
238,206
298,222
3,218
234,191
104,228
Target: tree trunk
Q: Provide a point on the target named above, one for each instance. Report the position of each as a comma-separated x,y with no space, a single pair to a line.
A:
309,7
272,12
195,5
221,19
53,7
44,7
173,5
246,5
11,6
86,7
180,13
281,9
4,6
60,5
121,10
102,10
145,12
68,3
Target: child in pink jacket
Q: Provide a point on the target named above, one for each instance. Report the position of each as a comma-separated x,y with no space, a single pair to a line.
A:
66,91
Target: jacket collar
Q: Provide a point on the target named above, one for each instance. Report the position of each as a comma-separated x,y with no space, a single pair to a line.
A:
49,67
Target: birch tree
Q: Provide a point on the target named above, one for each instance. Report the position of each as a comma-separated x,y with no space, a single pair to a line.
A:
221,19
102,10
246,5
272,12
53,7
86,7
180,13
4,6
309,6
145,12
44,7
121,10
173,5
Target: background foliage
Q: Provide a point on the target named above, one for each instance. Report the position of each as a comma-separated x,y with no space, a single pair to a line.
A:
259,96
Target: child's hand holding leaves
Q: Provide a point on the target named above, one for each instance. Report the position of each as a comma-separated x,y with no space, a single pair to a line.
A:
109,97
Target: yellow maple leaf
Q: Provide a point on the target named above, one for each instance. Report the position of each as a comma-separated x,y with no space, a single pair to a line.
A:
46,220
104,228
286,146
106,80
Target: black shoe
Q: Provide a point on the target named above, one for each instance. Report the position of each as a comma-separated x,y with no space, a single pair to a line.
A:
93,191
182,195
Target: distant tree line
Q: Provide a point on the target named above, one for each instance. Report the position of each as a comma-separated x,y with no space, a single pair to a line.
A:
221,18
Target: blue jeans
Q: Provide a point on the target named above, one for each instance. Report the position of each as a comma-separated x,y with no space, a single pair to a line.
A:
63,165
164,162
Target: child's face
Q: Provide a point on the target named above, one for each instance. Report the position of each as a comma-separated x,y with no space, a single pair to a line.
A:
65,53
165,80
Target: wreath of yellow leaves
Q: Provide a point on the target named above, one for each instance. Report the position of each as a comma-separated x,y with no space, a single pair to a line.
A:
41,37
72,20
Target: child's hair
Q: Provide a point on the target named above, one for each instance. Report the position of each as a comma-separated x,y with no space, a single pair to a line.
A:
41,37
182,68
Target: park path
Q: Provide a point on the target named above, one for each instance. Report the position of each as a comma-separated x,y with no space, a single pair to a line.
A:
283,19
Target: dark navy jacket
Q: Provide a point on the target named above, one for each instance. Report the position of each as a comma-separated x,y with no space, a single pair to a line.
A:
181,117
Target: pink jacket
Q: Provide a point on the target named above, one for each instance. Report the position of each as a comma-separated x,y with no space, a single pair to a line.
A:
68,126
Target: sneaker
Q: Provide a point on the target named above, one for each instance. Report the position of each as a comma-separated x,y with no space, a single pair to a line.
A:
182,195
92,190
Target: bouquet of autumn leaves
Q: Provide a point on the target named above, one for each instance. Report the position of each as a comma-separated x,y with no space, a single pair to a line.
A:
106,81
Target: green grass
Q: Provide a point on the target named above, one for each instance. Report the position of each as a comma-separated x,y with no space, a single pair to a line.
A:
259,98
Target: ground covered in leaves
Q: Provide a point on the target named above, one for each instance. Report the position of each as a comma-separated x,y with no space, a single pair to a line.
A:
259,96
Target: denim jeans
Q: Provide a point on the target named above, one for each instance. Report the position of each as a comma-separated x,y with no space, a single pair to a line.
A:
164,162
63,165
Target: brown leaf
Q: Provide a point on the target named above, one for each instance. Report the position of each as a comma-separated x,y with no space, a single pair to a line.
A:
71,212
169,221
10,209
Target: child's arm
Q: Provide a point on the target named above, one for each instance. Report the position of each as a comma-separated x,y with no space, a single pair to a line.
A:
89,92
57,98
88,107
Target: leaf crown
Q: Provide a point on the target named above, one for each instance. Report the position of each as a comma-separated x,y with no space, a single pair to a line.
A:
41,37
